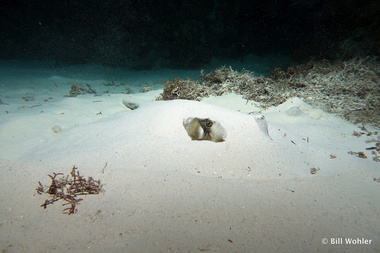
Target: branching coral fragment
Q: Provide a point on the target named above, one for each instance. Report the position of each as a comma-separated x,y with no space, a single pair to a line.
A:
68,189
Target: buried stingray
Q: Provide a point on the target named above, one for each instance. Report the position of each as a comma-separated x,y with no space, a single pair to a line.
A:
204,129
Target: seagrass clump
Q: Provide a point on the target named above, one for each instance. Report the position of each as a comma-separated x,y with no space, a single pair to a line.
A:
349,89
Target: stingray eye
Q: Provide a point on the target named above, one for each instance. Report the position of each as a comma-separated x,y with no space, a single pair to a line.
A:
209,123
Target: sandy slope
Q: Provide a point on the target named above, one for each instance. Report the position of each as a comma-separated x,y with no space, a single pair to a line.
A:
166,193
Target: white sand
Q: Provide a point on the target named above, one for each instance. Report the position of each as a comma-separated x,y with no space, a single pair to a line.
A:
166,193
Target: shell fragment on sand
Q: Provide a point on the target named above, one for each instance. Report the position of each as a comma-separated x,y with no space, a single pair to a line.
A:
262,123
130,105
2,103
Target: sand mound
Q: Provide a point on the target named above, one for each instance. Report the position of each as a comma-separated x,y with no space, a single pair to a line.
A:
153,137
164,192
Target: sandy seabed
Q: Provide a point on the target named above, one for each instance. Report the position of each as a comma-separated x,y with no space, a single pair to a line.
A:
166,193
